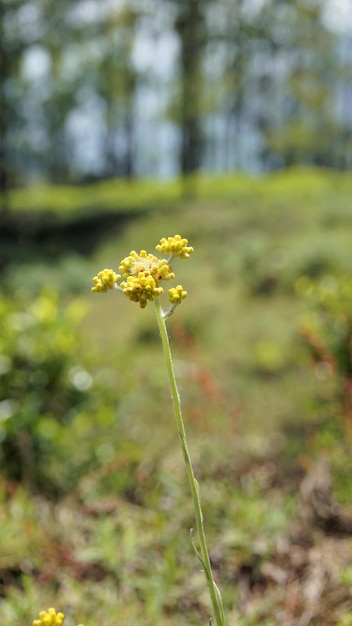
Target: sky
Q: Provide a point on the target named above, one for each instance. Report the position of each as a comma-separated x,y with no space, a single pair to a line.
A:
339,16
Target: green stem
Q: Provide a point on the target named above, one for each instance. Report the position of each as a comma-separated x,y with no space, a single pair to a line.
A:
204,554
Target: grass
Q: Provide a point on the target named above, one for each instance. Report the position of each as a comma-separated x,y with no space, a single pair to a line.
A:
116,548
289,187
108,196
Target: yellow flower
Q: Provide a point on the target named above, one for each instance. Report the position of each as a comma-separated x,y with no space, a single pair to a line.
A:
105,280
141,288
175,246
142,272
49,618
176,294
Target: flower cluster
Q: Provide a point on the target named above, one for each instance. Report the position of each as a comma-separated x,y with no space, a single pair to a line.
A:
50,618
141,273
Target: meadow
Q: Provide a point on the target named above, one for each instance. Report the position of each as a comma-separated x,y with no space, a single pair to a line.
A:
95,510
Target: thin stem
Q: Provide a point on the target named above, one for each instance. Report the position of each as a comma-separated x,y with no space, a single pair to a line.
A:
204,554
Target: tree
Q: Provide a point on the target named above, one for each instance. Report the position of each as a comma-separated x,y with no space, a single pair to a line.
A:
238,37
28,106
12,46
302,123
190,26
116,82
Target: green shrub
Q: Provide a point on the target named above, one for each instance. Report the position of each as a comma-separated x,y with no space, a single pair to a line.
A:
46,401
329,320
326,331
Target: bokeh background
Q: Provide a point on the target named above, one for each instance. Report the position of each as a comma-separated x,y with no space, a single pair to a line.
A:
229,122
99,89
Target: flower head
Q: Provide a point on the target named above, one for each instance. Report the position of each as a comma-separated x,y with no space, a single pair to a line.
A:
49,618
175,246
141,273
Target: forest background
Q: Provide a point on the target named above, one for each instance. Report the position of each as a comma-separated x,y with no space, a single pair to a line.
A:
230,122
150,88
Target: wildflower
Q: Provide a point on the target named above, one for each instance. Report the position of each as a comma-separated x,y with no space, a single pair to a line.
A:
141,277
105,280
142,272
175,246
49,618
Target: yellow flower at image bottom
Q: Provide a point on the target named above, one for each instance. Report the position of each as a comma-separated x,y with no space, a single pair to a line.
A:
50,618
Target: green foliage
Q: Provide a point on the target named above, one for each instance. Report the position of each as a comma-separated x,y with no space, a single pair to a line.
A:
116,547
100,553
267,199
68,274
326,333
328,327
113,196
46,399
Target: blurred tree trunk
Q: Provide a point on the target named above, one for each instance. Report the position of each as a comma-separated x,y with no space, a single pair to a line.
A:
237,71
4,72
191,29
4,182
117,82
11,49
61,92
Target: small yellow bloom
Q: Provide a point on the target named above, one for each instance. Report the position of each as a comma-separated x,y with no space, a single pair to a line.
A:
105,280
141,288
49,618
175,246
176,294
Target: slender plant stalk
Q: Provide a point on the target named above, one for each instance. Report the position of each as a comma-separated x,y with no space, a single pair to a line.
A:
139,278
203,555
